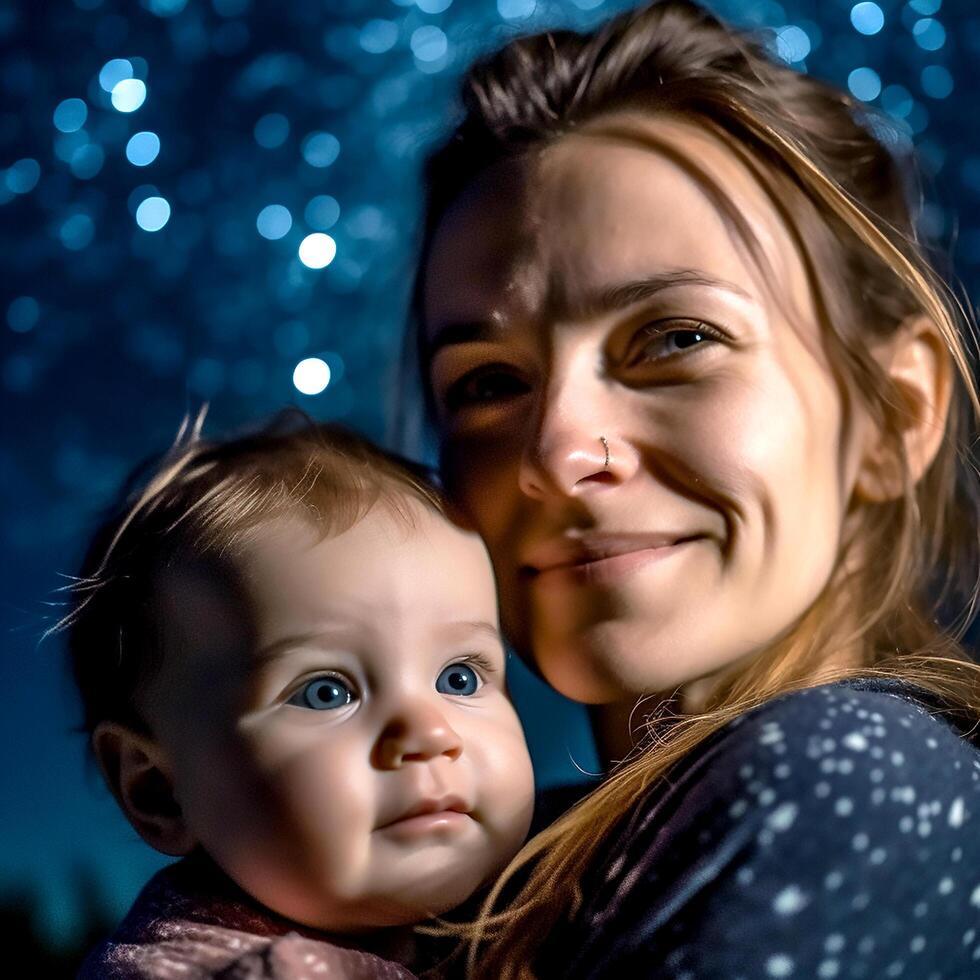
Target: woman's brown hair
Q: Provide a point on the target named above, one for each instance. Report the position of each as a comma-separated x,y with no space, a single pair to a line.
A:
906,581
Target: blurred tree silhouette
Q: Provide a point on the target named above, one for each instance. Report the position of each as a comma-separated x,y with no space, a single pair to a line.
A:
36,955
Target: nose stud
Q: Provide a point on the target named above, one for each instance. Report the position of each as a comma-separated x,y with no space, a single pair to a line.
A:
605,446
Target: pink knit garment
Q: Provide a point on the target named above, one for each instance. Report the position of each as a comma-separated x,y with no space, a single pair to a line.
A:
189,924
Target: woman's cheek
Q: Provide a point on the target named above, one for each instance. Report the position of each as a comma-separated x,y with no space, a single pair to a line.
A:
476,471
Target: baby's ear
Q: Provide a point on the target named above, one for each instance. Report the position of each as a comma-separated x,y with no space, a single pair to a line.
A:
920,369
138,775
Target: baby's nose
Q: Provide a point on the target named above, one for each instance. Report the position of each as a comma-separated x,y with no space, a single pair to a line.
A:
418,733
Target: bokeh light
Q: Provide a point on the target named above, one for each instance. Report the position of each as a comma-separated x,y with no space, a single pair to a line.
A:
19,371
139,194
153,213
87,161
76,232
864,84
515,9
311,376
23,314
321,149
274,222
929,34
70,115
142,148
22,176
67,144
317,251
937,82
128,95
378,36
322,212
433,6
429,43
272,130
897,101
792,44
166,8
867,18
113,72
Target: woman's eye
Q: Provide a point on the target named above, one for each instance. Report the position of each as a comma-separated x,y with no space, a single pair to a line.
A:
459,679
482,386
323,694
660,342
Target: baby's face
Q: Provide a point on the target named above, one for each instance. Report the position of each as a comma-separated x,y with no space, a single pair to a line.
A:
362,766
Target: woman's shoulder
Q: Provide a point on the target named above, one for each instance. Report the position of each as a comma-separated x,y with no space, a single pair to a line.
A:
850,698
826,759
780,840
858,722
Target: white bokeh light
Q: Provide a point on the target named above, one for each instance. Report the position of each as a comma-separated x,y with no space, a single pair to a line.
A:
128,95
153,213
311,375
317,251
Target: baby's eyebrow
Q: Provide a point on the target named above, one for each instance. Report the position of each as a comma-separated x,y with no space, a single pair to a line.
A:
464,627
318,637
447,631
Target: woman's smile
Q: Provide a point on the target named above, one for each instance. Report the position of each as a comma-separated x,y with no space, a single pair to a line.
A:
600,561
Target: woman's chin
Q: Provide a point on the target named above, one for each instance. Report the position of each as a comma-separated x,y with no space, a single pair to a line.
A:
601,675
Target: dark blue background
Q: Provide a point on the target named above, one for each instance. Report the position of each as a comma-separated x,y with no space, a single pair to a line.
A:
110,332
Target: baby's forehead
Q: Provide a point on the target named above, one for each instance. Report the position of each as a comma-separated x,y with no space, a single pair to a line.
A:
377,528
392,562
400,556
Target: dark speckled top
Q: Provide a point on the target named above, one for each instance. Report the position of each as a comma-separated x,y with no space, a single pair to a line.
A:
832,832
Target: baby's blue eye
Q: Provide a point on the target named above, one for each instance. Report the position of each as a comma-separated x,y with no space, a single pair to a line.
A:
323,694
459,679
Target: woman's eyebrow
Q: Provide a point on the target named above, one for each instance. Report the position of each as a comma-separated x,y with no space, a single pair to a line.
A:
608,299
458,333
622,295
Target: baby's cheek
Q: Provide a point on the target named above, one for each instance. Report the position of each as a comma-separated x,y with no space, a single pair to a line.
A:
507,787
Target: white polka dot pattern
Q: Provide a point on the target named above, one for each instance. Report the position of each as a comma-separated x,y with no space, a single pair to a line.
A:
833,832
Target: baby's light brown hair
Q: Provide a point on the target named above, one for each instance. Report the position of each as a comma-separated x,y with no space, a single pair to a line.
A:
196,505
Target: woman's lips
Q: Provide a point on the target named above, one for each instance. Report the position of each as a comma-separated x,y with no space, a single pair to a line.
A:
604,569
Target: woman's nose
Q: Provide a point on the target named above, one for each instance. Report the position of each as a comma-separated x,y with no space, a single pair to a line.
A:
416,733
571,452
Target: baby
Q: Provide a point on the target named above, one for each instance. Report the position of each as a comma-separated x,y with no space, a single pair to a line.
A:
292,677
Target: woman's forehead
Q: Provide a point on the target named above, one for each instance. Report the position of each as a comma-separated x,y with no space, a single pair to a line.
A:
624,199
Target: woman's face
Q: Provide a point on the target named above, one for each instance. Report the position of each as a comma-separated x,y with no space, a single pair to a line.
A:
596,297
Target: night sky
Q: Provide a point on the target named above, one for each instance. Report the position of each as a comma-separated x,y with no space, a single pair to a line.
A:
217,201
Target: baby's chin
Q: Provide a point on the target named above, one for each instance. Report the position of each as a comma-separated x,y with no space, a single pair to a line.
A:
402,904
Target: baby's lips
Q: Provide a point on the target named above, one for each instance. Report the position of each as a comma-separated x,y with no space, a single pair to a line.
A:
431,804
